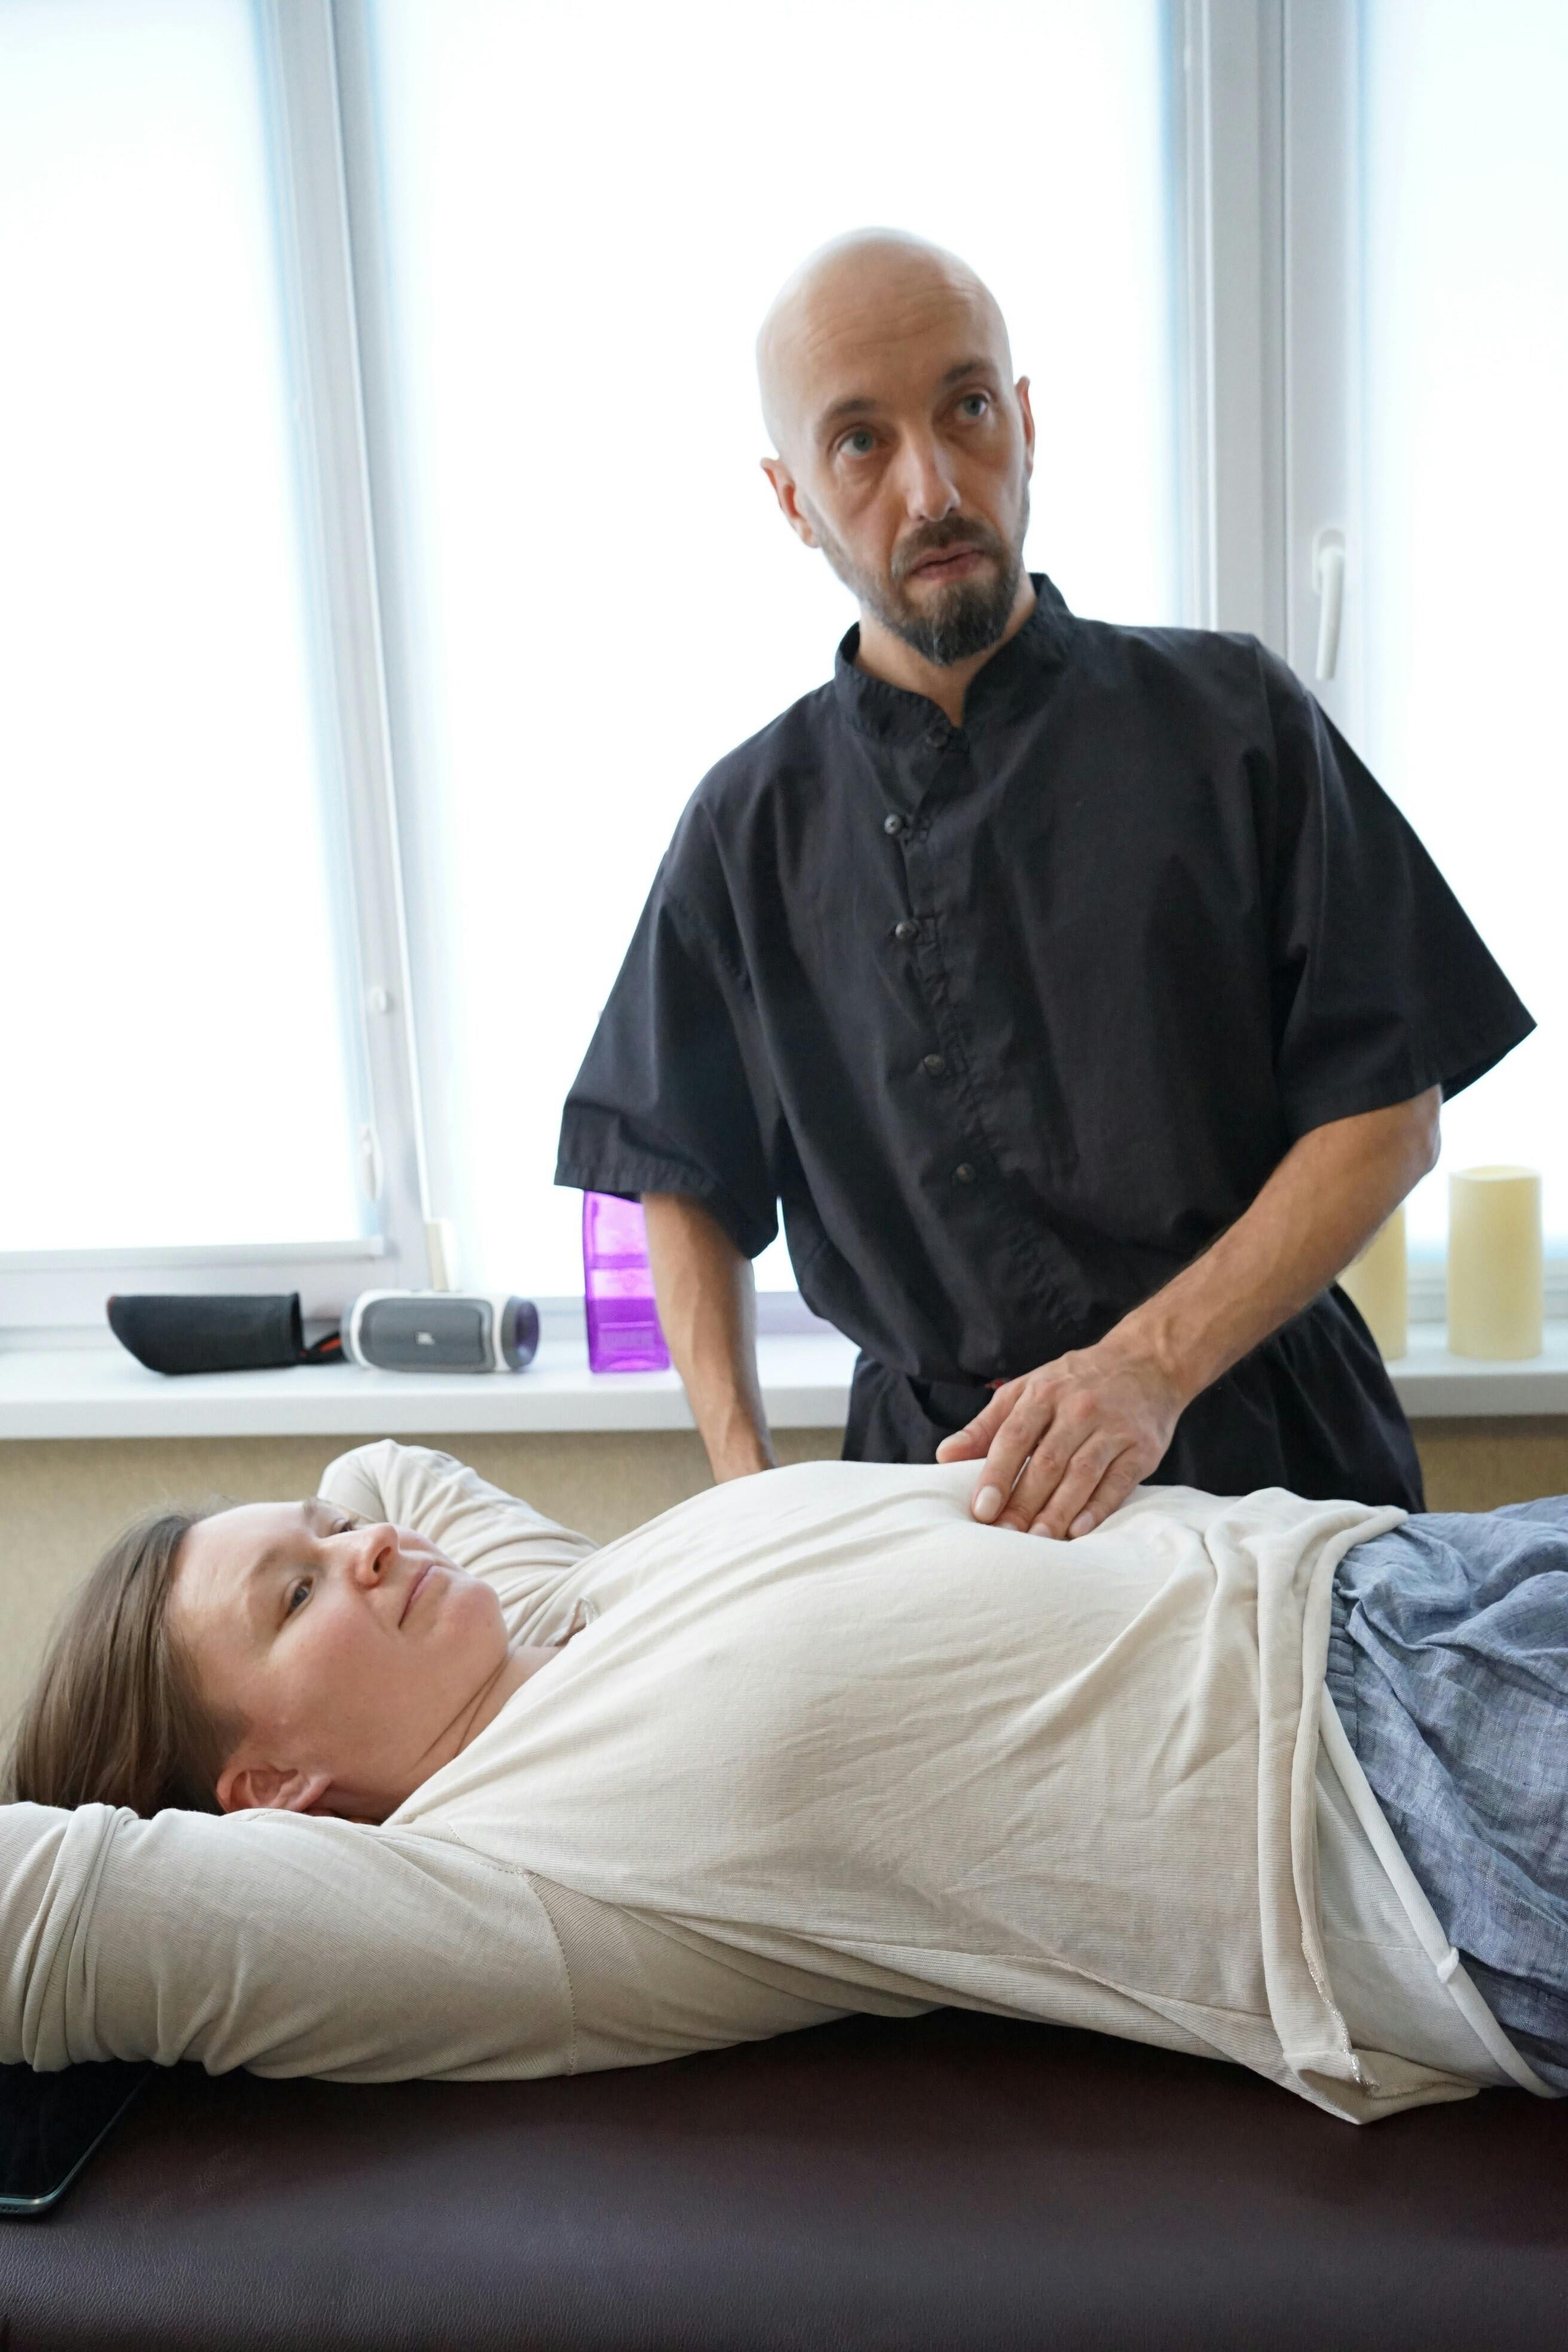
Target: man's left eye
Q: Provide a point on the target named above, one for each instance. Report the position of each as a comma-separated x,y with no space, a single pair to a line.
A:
299,1596
975,403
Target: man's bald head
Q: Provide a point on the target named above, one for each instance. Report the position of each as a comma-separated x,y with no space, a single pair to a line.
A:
904,446
872,287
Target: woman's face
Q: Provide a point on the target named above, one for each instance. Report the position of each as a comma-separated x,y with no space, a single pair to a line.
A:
359,1658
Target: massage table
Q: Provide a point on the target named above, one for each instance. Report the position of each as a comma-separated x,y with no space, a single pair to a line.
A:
957,2182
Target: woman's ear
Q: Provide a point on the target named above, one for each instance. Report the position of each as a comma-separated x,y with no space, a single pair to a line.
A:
271,1788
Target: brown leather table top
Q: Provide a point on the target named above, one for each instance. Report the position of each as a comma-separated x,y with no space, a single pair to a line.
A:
958,2182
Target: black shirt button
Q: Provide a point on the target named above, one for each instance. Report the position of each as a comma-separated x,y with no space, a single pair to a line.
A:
937,737
893,824
906,932
934,1065
963,1173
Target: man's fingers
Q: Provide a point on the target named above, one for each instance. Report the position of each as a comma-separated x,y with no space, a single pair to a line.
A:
1059,1505
1019,1437
1070,1428
1110,1494
1059,1509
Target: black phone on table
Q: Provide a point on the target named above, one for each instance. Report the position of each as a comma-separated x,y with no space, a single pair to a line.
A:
50,2123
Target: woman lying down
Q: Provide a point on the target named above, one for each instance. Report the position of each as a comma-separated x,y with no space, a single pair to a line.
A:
407,1780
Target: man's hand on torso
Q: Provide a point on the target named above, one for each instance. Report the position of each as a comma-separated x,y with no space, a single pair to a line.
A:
1064,1445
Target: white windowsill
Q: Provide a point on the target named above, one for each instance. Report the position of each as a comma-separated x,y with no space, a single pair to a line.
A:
97,1391
100,1391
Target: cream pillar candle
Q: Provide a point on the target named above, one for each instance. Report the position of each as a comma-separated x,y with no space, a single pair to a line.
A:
1496,1286
1378,1283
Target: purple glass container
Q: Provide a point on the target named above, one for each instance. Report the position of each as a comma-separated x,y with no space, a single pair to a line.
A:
624,1334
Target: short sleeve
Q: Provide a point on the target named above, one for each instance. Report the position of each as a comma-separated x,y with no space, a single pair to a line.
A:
675,1095
1382,987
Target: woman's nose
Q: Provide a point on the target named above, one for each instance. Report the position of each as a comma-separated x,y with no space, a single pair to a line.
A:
376,1546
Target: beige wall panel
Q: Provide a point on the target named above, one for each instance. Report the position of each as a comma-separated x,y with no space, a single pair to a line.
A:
1474,1466
61,1502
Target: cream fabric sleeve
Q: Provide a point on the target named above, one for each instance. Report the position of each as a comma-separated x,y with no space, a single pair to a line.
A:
293,1946
276,1941
527,1558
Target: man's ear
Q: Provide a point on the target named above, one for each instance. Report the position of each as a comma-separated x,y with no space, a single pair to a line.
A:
271,1788
1022,389
782,480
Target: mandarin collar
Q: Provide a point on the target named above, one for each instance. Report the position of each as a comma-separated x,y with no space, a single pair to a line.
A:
894,715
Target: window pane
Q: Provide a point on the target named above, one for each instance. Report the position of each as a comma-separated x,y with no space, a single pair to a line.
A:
1467,475
589,211
172,1063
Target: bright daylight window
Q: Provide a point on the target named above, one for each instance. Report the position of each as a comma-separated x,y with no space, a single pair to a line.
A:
1466,285
171,1067
588,210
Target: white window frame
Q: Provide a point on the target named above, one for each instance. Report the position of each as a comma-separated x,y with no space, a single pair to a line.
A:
1270,171
1226,70
1267,171
54,1295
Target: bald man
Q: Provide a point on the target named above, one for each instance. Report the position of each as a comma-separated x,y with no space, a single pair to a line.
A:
1073,987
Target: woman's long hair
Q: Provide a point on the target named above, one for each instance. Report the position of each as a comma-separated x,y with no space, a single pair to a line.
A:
115,1716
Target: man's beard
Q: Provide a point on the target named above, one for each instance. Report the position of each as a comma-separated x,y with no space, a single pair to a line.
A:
957,622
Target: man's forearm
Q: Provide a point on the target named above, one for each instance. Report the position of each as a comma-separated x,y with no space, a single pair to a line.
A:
707,1303
1323,1203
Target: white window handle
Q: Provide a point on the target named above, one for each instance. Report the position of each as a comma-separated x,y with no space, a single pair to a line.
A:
1328,584
370,1168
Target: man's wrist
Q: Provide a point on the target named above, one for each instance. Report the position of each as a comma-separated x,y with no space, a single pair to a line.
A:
1155,1335
738,1444
739,1461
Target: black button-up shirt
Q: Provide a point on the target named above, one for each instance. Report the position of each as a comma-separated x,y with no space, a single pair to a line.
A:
1014,1018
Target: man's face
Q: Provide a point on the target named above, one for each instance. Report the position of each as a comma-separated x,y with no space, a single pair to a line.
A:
907,453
